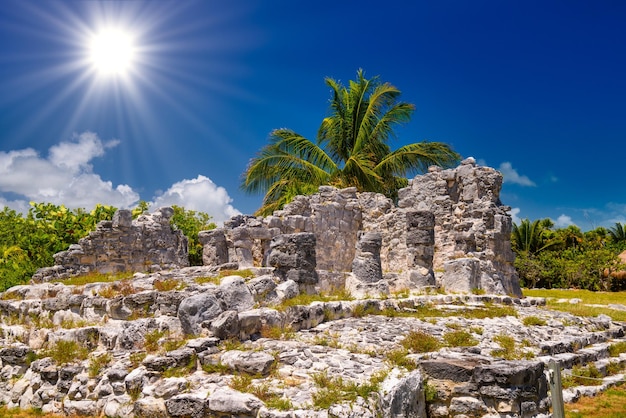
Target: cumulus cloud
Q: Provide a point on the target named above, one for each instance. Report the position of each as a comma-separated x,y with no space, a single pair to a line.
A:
563,221
199,194
512,176
63,177
66,177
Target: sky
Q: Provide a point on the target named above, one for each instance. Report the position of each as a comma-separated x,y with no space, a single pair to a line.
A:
535,89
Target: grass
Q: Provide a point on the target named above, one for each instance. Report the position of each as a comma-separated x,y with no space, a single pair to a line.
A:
534,321
609,404
333,390
168,284
582,376
28,413
66,351
420,342
509,349
182,371
587,297
617,348
306,299
459,338
245,273
151,342
98,363
277,332
96,277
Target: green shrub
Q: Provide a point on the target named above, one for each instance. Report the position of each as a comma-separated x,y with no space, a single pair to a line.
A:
459,338
66,351
420,342
534,321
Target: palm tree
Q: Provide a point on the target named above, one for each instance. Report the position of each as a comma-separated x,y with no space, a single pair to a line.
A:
351,148
532,238
618,232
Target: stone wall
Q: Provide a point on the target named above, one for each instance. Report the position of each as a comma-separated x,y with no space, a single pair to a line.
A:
123,244
449,230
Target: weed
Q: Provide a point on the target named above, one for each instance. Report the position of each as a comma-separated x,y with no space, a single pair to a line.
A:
617,348
168,284
216,368
171,345
97,363
151,340
508,349
364,309
430,392
459,338
401,294
73,323
477,291
231,344
277,332
399,357
241,382
534,321
207,279
281,404
42,320
490,311
246,273
137,358
582,376
333,390
66,351
477,330
96,277
182,371
134,392
420,342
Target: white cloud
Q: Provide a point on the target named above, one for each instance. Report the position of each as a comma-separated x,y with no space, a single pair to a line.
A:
563,221
511,175
514,215
199,194
64,177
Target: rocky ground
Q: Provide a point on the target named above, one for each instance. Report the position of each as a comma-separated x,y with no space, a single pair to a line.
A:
183,343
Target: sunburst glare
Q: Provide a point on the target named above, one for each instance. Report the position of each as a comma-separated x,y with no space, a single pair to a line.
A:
112,51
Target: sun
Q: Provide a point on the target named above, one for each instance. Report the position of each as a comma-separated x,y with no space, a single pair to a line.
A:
112,52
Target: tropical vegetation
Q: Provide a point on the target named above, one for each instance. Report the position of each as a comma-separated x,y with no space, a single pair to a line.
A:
28,241
550,257
351,148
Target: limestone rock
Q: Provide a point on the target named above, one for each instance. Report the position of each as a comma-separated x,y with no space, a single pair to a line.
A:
230,402
403,396
196,309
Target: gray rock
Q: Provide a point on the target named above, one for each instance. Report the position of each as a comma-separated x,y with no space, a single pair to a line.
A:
196,309
226,325
230,402
293,257
287,290
403,396
236,294
252,362
150,407
186,406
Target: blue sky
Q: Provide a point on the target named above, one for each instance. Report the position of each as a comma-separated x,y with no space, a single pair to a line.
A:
533,88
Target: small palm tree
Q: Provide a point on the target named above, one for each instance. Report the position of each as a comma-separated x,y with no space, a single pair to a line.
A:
351,148
618,232
532,237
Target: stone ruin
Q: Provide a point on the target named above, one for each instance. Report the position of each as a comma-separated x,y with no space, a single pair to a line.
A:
449,230
146,244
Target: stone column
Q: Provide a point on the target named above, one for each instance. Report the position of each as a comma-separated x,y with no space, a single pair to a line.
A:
420,243
214,247
293,258
366,264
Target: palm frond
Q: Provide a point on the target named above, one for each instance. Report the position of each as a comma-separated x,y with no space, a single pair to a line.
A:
417,157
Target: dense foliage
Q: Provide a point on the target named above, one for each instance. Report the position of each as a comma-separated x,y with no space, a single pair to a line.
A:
567,257
28,241
351,148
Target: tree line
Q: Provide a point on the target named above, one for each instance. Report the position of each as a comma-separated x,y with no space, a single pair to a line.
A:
549,257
